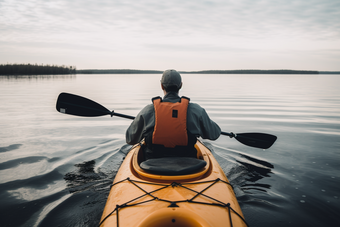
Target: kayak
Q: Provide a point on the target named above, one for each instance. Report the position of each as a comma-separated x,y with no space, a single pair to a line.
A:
172,191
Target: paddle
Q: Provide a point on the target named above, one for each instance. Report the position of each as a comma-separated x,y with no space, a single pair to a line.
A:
80,106
253,139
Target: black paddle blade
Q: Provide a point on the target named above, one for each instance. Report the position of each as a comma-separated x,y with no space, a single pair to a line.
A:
80,106
259,140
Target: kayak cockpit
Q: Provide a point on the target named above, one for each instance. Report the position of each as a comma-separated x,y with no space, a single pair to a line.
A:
171,168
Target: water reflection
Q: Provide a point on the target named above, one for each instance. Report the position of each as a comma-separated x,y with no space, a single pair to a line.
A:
256,169
37,77
10,148
84,177
244,171
20,161
97,174
57,170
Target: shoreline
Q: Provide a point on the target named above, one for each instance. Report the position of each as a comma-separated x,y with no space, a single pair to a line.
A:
21,70
241,71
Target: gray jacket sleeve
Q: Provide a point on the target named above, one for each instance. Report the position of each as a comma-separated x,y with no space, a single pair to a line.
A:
134,132
200,124
141,125
210,130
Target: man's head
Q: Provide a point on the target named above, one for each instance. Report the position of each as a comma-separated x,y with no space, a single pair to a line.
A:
171,80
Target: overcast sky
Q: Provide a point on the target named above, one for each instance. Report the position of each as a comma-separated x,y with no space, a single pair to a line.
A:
179,34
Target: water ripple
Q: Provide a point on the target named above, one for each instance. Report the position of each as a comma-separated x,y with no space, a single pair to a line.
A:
10,148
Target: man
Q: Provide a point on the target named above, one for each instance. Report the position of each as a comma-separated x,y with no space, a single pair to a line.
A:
171,126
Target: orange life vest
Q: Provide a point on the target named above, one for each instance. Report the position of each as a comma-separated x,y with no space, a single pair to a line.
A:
170,123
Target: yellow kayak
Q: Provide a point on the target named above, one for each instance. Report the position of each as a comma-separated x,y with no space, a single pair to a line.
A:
191,192
171,192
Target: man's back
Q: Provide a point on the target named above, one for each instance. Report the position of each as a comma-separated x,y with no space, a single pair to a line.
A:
198,122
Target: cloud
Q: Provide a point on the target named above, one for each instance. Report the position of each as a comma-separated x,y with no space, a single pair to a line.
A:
130,26
247,18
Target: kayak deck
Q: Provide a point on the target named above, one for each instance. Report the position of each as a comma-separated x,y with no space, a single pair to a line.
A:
140,198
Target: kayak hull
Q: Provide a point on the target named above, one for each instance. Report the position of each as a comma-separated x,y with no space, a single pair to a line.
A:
202,199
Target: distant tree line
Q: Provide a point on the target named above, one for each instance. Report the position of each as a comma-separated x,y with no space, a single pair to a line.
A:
329,72
30,69
117,71
34,69
255,71
246,71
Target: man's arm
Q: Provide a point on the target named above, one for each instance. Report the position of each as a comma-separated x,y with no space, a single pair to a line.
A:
143,123
210,130
134,133
200,124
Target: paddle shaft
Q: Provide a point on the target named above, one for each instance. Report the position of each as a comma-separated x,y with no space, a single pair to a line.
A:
122,115
231,135
80,106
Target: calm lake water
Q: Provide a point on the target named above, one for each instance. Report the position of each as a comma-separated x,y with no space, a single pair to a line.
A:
56,170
